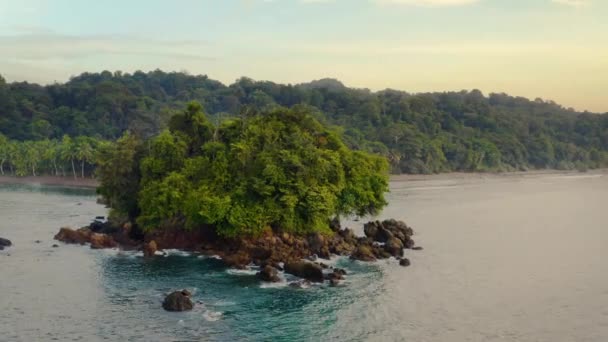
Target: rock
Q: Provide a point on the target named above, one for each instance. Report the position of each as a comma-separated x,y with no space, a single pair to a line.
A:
150,249
306,270
5,242
394,247
317,242
384,235
417,248
363,253
340,271
37,241
334,276
100,241
405,262
335,224
178,301
269,274
371,229
409,244
67,235
334,282
55,246
1,248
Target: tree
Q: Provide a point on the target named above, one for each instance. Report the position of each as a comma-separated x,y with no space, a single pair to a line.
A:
83,151
4,152
68,152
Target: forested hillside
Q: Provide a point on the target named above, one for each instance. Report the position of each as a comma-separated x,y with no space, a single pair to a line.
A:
418,133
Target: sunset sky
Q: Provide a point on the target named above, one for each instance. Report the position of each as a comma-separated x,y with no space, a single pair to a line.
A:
553,49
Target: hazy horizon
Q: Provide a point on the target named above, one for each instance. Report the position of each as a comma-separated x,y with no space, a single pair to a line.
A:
551,49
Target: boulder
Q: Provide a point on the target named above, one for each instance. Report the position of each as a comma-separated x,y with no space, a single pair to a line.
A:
100,241
5,242
405,262
55,245
383,235
335,224
269,274
306,270
334,276
150,249
371,229
178,301
417,248
394,247
334,282
363,253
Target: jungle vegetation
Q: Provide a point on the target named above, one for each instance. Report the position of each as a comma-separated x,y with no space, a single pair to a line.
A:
279,169
418,133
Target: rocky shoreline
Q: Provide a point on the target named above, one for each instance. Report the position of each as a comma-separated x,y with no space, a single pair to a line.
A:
272,252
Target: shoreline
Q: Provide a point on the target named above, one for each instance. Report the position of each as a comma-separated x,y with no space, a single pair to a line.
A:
87,183
90,183
496,175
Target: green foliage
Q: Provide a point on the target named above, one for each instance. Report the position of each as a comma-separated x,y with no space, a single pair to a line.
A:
418,133
281,169
24,158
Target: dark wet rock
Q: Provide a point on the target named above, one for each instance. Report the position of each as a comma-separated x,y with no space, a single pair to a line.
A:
306,270
405,262
409,244
100,218
417,248
5,242
334,282
334,276
269,274
363,253
1,248
37,241
371,229
55,246
150,249
384,235
340,271
394,247
335,224
178,301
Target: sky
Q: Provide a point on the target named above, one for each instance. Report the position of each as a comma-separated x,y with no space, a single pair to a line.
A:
552,49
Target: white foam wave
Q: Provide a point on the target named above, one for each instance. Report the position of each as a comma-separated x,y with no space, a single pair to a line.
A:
212,316
247,272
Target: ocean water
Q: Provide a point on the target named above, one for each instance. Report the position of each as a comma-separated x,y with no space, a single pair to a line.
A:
506,258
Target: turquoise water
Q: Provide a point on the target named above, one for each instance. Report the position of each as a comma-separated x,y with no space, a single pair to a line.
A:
506,258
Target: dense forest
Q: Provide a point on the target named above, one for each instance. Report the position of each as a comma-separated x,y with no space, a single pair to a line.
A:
281,169
418,133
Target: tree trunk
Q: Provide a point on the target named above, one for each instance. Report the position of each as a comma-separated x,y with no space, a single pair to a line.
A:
12,171
82,169
55,167
2,166
73,169
34,170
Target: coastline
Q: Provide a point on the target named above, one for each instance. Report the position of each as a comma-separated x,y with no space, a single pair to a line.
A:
485,175
90,183
51,180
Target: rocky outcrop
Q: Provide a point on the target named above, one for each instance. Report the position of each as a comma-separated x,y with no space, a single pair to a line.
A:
306,270
68,235
269,274
405,262
100,241
85,235
178,301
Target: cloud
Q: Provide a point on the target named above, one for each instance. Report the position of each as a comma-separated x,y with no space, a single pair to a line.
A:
573,3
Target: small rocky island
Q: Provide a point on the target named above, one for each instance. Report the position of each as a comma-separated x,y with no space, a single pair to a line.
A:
265,189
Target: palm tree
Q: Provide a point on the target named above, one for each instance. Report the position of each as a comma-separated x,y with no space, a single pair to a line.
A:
83,151
68,152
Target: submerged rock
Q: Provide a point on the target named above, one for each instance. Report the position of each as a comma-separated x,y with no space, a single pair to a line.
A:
405,262
306,270
269,274
178,301
55,245
5,243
